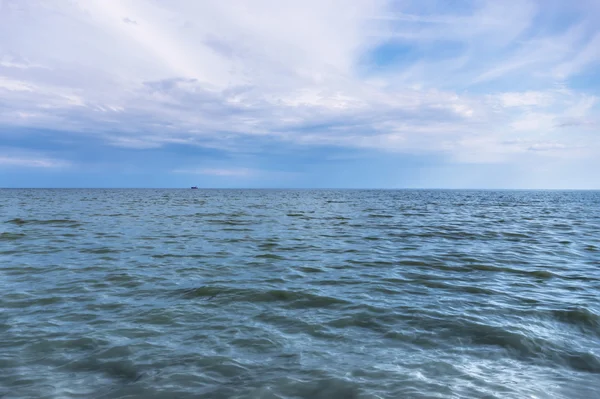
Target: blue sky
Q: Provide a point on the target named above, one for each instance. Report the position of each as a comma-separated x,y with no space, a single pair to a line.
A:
267,93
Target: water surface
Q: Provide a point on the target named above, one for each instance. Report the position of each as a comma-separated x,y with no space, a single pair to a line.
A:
299,294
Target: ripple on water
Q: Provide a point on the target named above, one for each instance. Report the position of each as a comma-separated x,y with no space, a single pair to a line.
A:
48,222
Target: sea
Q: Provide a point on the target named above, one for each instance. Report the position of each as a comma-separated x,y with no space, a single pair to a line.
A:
317,294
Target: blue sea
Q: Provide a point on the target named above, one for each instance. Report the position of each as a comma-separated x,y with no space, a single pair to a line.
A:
179,293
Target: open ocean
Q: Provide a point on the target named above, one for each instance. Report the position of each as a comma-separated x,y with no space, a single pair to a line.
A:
325,294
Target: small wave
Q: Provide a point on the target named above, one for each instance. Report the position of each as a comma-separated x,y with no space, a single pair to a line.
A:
122,369
99,251
11,236
269,256
267,245
516,343
380,323
49,222
516,236
543,274
337,218
230,222
580,317
339,282
377,263
294,299
328,388
308,269
163,256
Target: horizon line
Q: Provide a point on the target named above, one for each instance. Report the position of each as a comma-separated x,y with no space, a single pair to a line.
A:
305,188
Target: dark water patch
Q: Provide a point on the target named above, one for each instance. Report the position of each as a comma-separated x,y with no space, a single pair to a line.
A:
230,222
294,325
293,299
107,235
380,216
308,269
267,246
114,306
208,214
339,282
269,256
11,236
99,251
471,289
157,317
68,345
338,217
341,250
579,317
257,344
202,292
296,299
187,255
33,302
386,290
70,235
380,323
514,235
149,238
123,280
328,388
366,263
516,343
276,280
120,370
49,222
541,274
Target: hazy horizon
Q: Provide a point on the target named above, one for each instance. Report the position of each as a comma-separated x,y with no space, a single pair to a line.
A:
303,188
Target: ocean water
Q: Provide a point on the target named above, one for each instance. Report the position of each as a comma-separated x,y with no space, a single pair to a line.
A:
299,294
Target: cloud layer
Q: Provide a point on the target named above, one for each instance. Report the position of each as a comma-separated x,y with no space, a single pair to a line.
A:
476,82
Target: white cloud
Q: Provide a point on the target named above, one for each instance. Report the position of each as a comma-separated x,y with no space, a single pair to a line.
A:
30,162
547,146
143,74
528,98
15,85
588,54
231,172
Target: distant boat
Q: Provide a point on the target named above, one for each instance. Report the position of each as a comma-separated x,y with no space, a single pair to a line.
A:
194,187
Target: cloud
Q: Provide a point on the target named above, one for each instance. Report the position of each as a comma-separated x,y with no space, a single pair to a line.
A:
528,98
546,147
129,21
577,123
29,162
244,77
15,85
227,172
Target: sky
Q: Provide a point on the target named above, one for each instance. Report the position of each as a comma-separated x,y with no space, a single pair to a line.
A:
311,93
